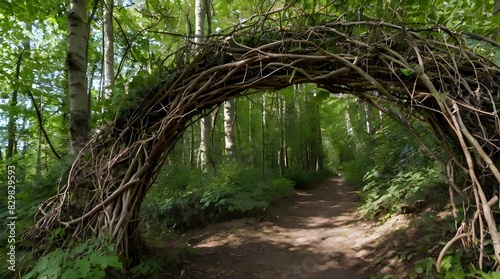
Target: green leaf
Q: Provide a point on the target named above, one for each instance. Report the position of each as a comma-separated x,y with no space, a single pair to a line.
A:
113,261
378,260
83,265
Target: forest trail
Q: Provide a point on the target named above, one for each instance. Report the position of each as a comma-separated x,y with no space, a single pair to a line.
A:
315,234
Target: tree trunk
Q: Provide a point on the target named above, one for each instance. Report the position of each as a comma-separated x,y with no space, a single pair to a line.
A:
265,142
11,125
205,122
77,75
281,127
229,128
109,51
368,118
204,152
199,23
39,166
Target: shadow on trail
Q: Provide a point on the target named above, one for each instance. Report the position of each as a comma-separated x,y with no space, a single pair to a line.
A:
314,235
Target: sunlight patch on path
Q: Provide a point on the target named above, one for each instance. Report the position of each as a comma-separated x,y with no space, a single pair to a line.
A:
318,236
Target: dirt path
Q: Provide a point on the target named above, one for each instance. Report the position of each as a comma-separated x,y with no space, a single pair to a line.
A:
315,235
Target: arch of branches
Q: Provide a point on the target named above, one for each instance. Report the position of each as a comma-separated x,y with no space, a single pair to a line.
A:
430,75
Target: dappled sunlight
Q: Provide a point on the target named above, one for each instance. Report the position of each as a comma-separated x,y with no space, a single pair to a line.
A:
319,236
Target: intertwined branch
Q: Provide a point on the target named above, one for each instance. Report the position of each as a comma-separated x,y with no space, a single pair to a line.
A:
430,75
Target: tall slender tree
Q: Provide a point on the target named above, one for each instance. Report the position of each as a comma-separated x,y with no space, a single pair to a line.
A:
109,52
76,61
11,125
200,10
229,128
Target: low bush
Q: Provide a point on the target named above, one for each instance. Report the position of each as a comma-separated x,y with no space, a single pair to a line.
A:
303,179
91,259
387,194
185,198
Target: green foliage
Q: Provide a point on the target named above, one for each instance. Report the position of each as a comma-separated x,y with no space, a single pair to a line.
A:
383,195
424,268
303,179
388,164
392,170
185,198
148,266
90,259
454,265
31,191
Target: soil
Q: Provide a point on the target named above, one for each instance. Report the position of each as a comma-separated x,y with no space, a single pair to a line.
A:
315,234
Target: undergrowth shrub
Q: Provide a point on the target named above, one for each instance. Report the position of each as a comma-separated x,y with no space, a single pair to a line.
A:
304,179
184,198
91,259
393,172
31,191
382,195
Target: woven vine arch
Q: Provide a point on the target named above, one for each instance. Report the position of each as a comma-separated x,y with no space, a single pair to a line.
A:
431,75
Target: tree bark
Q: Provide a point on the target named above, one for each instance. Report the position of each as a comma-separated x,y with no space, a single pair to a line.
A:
11,125
229,128
76,61
204,151
206,121
199,23
109,49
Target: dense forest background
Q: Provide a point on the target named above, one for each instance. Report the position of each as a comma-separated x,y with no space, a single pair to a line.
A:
243,156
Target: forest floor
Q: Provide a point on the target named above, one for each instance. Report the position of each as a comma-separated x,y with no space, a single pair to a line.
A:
315,234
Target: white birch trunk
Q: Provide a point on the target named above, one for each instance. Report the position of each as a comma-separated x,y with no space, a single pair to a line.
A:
77,75
205,122
229,127
369,129
199,22
109,49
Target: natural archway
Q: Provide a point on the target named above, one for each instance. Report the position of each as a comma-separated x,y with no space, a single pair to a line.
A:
430,75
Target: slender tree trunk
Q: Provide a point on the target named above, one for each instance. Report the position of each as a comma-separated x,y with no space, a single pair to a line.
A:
282,148
205,121
39,166
368,118
199,23
319,139
348,121
11,125
315,136
264,136
77,75
204,154
229,128
109,51
192,157
251,140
